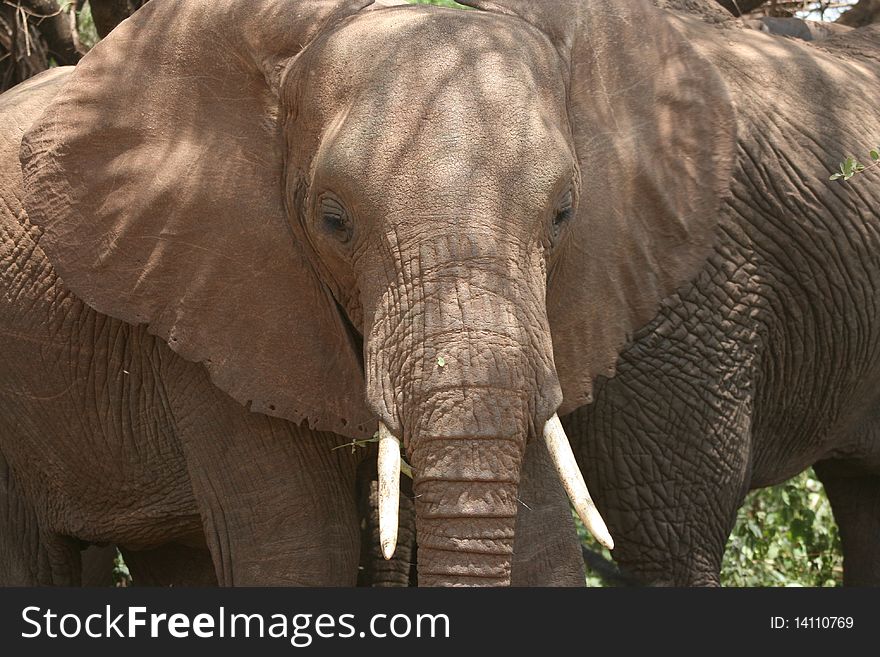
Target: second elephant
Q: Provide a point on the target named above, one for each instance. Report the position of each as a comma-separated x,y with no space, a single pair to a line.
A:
768,362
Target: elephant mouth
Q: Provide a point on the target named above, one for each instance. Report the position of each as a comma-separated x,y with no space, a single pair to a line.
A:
355,337
560,452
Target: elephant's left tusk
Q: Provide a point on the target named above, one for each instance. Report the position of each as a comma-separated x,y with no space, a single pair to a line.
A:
573,481
389,490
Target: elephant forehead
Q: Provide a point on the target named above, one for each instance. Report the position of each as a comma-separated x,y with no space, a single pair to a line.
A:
431,41
413,75
420,110
449,158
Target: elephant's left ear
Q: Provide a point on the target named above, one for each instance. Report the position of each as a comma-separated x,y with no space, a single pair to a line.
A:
655,136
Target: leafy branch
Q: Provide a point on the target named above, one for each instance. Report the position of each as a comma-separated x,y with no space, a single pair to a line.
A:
851,166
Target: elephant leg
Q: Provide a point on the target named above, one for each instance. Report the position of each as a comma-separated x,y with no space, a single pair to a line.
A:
20,557
64,560
855,500
30,555
375,570
277,501
546,549
97,565
170,565
665,451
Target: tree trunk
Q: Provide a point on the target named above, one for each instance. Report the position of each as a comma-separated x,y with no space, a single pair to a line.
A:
22,51
740,7
107,14
57,29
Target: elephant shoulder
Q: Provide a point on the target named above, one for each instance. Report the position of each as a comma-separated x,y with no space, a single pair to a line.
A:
22,105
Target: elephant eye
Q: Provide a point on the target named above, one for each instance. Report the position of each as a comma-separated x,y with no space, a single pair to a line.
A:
564,213
335,220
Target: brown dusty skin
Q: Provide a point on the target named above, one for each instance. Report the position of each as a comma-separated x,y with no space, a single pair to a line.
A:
451,222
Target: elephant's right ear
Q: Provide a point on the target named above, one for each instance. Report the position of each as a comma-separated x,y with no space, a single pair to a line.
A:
156,177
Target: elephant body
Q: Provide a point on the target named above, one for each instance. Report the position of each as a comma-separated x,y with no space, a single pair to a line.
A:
119,440
109,427
302,237
768,362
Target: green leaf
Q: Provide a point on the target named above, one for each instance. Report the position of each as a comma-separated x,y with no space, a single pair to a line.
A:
836,176
875,154
753,527
441,362
798,544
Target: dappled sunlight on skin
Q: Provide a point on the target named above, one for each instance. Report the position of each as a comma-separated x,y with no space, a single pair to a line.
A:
451,159
786,301
214,208
817,101
490,179
407,146
421,106
811,75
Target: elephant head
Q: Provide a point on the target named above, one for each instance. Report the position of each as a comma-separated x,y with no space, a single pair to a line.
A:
443,222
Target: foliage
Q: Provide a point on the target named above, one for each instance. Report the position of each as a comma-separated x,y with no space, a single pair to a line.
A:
851,166
593,578
784,536
85,26
121,576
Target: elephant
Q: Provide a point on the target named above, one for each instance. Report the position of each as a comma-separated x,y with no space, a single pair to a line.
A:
766,362
23,555
327,221
184,385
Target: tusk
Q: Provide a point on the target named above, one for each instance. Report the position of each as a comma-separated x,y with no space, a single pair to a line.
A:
573,481
389,490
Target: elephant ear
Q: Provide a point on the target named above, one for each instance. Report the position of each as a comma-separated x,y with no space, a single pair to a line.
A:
654,132
156,178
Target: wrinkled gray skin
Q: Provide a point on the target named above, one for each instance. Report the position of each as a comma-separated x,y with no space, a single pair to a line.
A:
477,252
295,522
116,438
769,361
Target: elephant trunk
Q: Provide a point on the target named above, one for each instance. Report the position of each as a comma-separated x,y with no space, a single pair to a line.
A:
465,548
459,366
466,477
472,501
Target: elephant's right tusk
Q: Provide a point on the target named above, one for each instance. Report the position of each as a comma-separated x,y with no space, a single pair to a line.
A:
573,481
389,490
